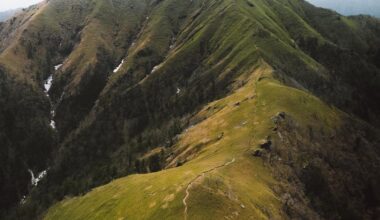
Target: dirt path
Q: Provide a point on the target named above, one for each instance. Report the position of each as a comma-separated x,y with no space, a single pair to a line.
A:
184,201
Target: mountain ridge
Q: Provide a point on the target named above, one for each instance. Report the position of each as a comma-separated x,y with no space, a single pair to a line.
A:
200,65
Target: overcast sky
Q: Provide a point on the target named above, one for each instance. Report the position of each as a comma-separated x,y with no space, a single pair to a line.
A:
12,4
346,7
351,7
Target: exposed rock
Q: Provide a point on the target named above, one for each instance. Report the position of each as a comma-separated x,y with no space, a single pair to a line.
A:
281,115
266,144
278,117
220,136
257,153
151,162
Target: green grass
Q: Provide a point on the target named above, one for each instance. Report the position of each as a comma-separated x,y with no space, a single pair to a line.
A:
243,189
305,108
230,42
220,193
237,41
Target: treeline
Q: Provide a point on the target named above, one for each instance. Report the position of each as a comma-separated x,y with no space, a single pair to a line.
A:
354,82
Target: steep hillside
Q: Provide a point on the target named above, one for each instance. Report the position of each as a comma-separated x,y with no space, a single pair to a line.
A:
26,139
251,156
258,109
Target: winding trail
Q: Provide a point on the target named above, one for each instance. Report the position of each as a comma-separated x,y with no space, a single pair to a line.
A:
184,201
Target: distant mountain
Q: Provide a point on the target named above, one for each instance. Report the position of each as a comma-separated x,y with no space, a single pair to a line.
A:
4,15
189,109
351,7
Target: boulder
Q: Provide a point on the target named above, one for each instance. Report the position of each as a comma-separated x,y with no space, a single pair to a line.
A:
266,145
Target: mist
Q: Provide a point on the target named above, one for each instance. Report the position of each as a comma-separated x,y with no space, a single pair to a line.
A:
351,7
13,4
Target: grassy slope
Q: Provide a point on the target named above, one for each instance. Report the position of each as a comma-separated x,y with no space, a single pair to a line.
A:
243,188
102,40
164,191
272,29
14,57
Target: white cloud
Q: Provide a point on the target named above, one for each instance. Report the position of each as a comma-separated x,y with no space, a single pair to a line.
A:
13,4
